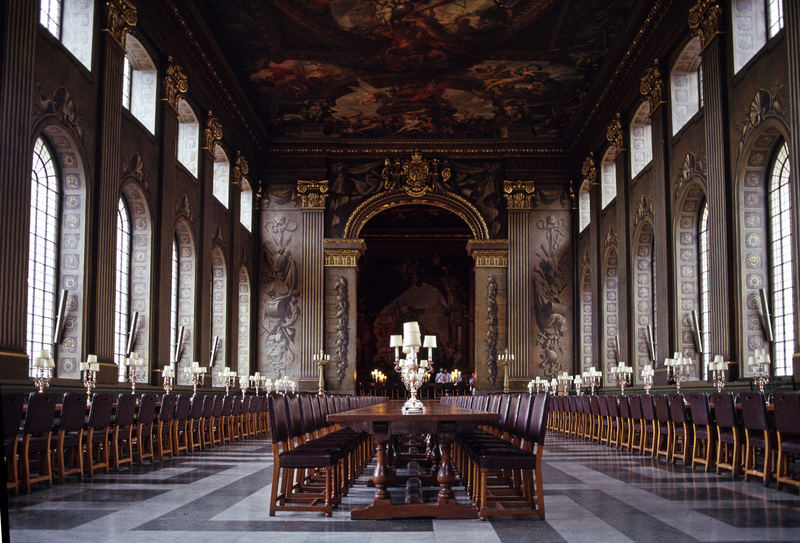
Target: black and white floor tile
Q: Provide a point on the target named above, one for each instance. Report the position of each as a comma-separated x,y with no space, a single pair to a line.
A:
592,493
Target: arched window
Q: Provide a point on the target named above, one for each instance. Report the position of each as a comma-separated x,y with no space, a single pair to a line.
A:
243,363
704,261
643,294
584,206
610,306
188,137
641,141
222,170
174,295
608,177
686,91
246,205
42,250
219,314
123,284
587,358
71,22
183,282
754,22
779,197
139,83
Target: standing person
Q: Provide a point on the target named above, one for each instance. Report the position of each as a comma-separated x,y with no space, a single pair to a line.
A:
473,380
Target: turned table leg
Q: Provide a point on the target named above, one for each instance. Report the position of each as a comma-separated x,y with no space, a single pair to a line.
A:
380,476
446,477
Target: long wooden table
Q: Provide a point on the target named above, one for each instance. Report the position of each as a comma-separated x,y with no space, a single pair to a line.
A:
386,420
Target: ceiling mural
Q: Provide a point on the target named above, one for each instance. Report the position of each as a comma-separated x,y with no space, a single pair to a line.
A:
431,68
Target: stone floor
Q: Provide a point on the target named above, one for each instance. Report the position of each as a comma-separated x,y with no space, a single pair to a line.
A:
592,493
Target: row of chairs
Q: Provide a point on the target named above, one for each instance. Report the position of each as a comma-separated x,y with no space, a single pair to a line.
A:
734,435
315,463
116,431
501,465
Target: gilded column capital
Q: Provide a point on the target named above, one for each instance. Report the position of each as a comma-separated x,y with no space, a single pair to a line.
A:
519,194
121,16
489,253
342,253
589,170
614,134
176,84
240,169
212,133
704,19
652,86
312,193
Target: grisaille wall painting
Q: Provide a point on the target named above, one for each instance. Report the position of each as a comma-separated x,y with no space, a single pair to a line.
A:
431,68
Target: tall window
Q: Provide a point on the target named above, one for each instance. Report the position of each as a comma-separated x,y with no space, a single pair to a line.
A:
608,177
222,169
139,83
219,306
42,250
685,88
584,207
123,281
246,205
754,22
780,252
641,140
188,137
774,17
173,306
705,288
70,21
244,321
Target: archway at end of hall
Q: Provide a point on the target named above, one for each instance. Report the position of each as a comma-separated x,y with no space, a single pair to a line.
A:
415,268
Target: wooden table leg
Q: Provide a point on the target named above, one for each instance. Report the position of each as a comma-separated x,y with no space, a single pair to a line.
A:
446,477
379,476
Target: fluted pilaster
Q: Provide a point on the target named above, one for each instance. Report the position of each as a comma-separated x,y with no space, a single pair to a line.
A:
312,204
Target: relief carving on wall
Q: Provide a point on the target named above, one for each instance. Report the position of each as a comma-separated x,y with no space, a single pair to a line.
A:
60,104
491,328
133,166
693,166
644,210
281,289
550,282
765,104
184,208
342,337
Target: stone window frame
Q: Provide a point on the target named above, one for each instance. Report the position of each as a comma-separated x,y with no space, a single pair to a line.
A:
140,83
686,92
641,138
610,309
188,141
219,309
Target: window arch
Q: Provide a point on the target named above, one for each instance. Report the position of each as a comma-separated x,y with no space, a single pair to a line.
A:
246,205
139,83
705,287
183,282
608,177
56,256
686,92
643,292
71,22
222,171
587,328
219,314
610,329
584,206
779,198
641,139
754,22
188,137
243,362
122,286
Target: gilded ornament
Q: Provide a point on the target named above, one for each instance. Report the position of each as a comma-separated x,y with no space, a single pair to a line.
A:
519,194
415,176
176,84
212,133
240,169
589,170
651,87
120,18
312,193
614,134
704,20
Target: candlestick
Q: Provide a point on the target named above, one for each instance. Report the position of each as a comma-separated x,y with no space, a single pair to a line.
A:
168,378
89,371
321,359
505,359
412,370
620,375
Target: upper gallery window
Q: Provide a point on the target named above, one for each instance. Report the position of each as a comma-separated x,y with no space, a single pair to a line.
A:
188,137
608,177
222,169
686,85
246,205
754,22
641,140
139,83
70,21
584,206
704,259
123,283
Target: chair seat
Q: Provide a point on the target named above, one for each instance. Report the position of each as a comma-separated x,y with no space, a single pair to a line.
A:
37,443
726,435
517,459
701,433
308,457
791,445
758,441
70,440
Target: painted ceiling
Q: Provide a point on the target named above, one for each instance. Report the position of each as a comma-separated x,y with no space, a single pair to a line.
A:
421,69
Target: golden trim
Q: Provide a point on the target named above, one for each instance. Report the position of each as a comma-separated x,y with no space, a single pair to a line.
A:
240,169
490,259
704,21
176,84
212,133
615,135
312,193
341,258
589,170
10,353
519,194
651,86
449,201
121,17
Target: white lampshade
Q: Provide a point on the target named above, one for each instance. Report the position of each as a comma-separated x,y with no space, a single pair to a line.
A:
411,339
429,342
396,341
409,327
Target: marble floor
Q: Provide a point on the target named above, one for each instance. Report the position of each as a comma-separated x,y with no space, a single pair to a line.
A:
592,493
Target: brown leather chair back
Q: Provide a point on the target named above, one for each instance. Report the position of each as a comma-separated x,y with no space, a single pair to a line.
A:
787,412
701,412
754,410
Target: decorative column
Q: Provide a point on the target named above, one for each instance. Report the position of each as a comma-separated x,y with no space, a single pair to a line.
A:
176,85
491,310
791,20
236,253
704,21
21,17
340,311
120,18
519,203
617,136
651,87
588,182
312,196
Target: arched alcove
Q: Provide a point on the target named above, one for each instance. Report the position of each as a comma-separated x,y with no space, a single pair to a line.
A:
610,307
643,295
219,288
184,297
587,322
